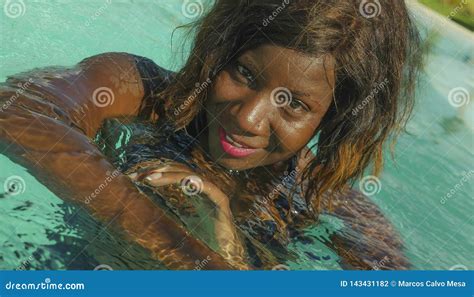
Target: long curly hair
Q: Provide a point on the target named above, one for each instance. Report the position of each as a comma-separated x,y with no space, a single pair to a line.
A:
375,46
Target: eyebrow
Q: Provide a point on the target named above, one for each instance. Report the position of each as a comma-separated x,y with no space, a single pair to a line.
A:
248,58
304,94
300,94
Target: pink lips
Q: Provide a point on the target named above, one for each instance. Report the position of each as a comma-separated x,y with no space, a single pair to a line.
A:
231,149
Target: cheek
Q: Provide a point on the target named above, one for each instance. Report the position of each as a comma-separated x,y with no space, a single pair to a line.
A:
294,136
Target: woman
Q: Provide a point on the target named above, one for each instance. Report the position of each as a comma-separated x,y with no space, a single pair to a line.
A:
262,80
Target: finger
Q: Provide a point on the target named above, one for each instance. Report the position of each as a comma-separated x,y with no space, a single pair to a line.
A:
172,168
175,165
164,168
190,183
133,176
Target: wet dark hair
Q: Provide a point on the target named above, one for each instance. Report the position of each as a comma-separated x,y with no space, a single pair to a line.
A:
375,46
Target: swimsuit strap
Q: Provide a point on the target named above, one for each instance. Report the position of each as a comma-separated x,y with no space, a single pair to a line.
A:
155,79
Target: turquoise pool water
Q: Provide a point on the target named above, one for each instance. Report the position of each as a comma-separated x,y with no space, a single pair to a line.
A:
436,158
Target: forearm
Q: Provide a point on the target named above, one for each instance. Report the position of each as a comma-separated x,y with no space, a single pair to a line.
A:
229,241
65,160
224,227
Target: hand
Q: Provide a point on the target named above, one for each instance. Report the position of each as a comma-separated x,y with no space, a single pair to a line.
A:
192,184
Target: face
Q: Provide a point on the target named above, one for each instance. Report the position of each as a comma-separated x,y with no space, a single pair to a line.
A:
265,106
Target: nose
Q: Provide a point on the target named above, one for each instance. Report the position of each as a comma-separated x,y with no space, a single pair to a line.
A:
252,114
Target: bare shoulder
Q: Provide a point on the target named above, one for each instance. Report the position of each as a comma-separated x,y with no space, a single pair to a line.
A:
107,85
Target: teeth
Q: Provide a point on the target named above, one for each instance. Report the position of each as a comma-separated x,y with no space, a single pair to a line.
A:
227,137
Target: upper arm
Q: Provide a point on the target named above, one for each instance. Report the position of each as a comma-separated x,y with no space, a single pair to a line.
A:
101,86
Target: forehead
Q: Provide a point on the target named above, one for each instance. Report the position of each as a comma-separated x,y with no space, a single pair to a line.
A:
291,67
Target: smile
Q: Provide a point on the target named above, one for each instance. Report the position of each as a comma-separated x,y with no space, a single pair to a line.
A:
232,147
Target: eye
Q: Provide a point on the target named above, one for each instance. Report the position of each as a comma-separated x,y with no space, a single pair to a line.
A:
298,106
245,74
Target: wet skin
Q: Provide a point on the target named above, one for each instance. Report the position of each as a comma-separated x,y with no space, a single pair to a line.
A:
50,134
240,105
243,107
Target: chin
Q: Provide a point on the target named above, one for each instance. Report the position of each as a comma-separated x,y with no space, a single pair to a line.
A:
238,164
